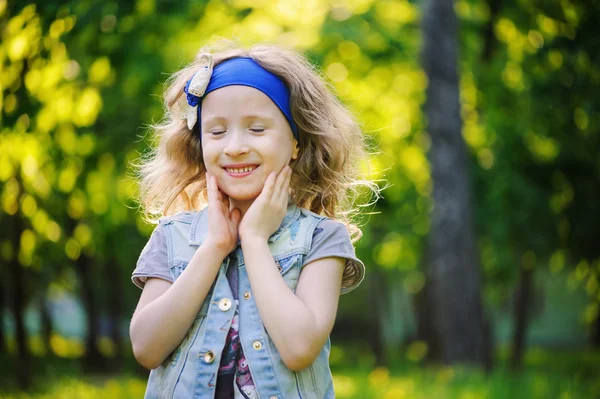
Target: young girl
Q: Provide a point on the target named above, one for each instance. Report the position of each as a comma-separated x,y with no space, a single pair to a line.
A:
255,164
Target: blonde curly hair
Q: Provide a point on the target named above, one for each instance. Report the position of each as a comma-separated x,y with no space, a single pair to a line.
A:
172,175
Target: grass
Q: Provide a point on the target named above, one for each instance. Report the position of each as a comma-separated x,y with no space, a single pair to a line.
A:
447,382
561,374
547,374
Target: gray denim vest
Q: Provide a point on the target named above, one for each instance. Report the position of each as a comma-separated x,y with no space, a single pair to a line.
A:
191,370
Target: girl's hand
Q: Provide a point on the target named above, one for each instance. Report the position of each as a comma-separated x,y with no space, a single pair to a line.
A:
268,210
222,224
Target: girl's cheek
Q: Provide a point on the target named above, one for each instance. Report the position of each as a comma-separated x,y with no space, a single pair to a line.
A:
211,166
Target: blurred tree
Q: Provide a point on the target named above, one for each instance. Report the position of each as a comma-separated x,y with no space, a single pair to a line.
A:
49,171
535,137
527,106
454,327
78,79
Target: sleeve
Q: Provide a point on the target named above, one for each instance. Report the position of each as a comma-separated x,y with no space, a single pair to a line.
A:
153,261
331,238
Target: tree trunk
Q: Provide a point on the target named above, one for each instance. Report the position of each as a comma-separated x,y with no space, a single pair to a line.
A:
93,360
19,291
115,310
489,36
451,259
425,326
46,322
521,315
2,293
377,292
596,332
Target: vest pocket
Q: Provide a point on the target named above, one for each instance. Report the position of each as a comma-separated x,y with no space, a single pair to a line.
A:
313,381
166,376
188,340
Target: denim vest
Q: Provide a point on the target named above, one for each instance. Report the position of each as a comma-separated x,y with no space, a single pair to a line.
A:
191,370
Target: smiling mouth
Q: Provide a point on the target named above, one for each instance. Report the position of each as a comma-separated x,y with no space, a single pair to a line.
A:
240,172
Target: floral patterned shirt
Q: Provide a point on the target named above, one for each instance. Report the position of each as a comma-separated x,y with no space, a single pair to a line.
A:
234,379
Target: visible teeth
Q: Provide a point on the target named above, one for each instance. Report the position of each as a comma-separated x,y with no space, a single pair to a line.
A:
241,170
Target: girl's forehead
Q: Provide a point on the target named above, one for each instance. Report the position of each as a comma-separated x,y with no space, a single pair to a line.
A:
237,93
236,99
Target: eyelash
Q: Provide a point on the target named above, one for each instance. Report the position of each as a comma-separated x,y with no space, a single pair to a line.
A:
219,132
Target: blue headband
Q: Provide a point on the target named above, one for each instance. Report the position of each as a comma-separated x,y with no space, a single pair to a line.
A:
247,72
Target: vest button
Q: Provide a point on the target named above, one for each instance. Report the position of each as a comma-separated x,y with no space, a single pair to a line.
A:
209,357
247,295
256,345
225,304
279,267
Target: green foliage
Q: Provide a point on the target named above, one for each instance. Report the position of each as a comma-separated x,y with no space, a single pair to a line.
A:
81,80
529,121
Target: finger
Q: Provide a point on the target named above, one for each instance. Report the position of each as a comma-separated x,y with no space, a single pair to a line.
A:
224,199
236,215
279,183
215,188
269,187
215,195
285,192
209,192
285,183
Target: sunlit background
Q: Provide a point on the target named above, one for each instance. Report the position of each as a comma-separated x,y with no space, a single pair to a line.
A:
81,80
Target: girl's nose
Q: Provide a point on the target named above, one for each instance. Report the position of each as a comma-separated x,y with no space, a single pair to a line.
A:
236,144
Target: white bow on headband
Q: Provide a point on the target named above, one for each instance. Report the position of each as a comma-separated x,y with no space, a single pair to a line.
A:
196,88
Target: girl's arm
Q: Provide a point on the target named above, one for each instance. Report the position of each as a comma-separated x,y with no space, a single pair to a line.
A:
299,323
165,311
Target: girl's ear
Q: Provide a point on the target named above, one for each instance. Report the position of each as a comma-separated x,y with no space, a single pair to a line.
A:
295,151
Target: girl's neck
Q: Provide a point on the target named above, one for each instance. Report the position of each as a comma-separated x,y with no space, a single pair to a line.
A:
244,205
241,205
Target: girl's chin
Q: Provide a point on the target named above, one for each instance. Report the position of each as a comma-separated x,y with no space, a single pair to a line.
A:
243,199
243,196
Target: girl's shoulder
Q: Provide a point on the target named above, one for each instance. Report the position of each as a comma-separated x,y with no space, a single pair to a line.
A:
187,227
307,213
324,221
186,217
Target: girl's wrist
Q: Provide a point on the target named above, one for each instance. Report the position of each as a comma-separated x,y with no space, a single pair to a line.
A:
253,239
221,248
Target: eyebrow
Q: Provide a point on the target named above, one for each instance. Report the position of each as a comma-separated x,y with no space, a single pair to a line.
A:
258,116
244,117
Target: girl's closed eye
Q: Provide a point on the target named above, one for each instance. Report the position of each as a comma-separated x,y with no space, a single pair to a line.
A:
257,128
217,131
